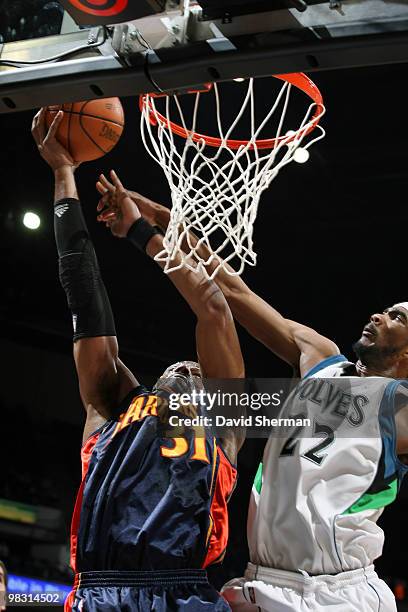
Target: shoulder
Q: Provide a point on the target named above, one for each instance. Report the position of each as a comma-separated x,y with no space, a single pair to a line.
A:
95,422
332,364
127,400
313,347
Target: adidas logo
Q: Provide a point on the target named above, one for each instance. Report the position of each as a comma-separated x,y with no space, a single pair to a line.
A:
61,209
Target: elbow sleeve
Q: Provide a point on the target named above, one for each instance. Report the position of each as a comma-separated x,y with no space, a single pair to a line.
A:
79,273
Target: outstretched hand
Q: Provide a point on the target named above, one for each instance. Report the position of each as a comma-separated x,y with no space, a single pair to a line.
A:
50,149
151,211
117,209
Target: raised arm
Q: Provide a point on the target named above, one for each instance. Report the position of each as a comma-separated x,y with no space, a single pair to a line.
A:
103,378
217,343
218,346
298,345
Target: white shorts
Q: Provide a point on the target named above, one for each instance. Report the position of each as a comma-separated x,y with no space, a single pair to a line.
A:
263,589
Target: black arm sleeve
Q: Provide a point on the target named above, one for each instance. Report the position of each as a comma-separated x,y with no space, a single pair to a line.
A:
79,273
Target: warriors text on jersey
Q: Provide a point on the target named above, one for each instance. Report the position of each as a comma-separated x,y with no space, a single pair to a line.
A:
147,501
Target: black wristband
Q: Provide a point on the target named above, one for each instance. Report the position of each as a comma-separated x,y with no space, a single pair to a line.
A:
140,233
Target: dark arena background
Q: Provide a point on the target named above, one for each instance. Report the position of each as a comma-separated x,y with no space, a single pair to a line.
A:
331,238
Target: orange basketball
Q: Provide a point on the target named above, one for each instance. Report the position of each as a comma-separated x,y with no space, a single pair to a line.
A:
89,129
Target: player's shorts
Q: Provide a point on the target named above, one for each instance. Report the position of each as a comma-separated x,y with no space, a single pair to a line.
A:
161,591
263,589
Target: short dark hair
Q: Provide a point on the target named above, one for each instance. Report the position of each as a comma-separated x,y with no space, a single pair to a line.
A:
3,567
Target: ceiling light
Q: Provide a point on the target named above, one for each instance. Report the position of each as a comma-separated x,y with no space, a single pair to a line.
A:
31,220
301,155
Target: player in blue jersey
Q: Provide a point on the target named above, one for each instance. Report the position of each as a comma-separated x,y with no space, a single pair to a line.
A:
151,511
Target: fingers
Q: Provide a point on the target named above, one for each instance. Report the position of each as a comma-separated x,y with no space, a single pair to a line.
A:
107,214
116,181
107,221
55,125
101,189
38,129
35,122
42,128
107,217
107,185
106,200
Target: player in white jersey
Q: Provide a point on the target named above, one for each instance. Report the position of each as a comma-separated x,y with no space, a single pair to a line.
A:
312,520
312,529
317,496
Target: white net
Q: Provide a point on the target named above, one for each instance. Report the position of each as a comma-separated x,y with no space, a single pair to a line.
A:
216,189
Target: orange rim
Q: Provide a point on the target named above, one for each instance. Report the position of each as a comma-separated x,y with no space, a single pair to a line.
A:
298,79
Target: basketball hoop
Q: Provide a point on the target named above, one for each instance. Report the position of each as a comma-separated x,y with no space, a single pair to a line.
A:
216,181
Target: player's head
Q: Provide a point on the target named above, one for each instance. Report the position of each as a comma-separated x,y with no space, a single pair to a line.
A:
181,377
384,340
3,585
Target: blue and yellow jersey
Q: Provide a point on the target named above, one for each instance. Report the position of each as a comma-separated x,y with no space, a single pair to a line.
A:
148,501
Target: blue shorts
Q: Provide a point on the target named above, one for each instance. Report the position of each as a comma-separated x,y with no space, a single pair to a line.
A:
161,591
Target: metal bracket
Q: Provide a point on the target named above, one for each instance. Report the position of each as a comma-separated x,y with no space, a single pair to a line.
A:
127,40
336,5
139,36
219,42
93,35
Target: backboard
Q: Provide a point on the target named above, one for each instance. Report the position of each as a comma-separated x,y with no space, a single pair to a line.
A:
190,43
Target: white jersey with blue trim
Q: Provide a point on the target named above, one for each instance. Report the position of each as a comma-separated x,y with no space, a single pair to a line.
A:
322,486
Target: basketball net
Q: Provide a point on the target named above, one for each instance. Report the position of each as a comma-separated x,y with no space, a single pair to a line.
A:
216,183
